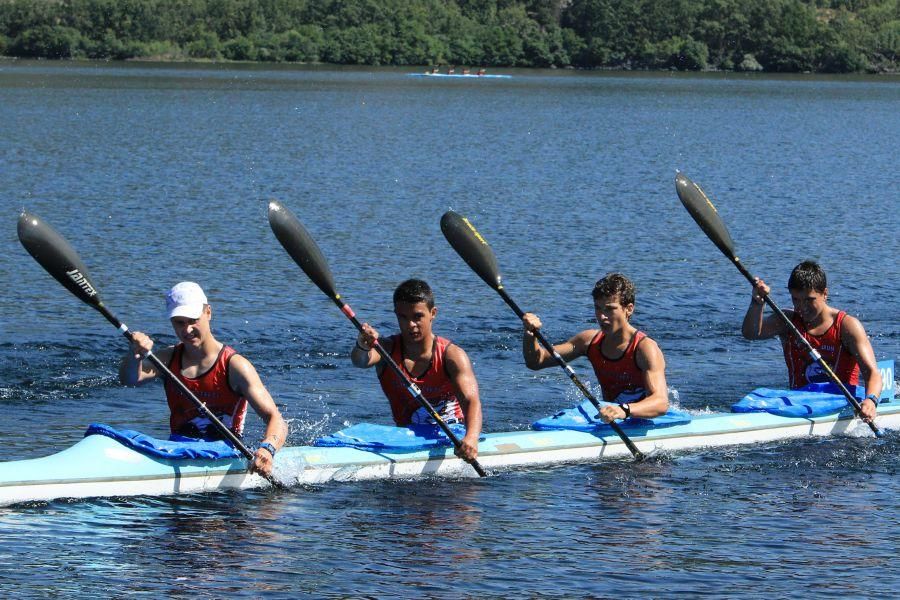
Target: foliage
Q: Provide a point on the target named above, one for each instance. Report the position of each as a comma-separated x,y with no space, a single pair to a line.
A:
775,35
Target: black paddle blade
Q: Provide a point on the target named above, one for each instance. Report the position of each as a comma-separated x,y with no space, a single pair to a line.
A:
57,257
473,248
300,245
706,215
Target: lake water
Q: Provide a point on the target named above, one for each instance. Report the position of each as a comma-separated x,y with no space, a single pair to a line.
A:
159,173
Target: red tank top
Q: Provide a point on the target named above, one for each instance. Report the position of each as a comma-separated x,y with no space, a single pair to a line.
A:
802,369
434,383
619,377
212,389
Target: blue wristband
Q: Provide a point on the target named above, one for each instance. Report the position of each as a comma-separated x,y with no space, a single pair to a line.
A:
269,447
873,398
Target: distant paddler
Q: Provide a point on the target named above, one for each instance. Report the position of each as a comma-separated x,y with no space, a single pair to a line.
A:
222,379
839,338
629,365
441,369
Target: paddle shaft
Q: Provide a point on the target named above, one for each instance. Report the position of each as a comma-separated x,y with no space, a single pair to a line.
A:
411,386
571,373
813,353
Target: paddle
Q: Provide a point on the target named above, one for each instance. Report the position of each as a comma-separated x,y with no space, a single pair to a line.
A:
61,261
303,249
707,217
476,252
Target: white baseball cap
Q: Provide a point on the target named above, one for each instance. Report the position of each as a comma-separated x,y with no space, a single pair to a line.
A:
186,299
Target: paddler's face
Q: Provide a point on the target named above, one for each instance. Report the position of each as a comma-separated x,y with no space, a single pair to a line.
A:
414,320
809,304
192,331
611,314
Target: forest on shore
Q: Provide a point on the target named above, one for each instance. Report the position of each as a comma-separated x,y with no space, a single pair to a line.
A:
826,36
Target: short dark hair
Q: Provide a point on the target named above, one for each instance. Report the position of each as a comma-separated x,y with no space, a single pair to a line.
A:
615,284
808,275
413,291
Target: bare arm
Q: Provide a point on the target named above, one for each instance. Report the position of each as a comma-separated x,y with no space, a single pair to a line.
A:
363,355
133,370
651,361
756,326
537,357
246,381
459,368
854,338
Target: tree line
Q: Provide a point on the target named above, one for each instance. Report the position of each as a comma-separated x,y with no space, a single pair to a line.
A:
831,36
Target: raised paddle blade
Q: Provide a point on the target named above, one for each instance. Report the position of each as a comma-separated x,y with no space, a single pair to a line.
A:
706,215
57,257
472,247
300,245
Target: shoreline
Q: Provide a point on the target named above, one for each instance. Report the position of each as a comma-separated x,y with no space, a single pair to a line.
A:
492,70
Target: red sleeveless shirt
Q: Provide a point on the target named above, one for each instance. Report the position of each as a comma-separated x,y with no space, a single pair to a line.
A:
802,369
619,377
212,389
434,383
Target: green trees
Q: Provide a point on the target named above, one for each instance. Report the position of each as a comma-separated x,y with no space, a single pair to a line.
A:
773,35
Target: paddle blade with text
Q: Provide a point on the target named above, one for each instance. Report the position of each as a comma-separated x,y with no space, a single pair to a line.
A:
472,247
57,257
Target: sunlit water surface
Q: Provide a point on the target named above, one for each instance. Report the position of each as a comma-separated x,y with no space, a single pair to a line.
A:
158,173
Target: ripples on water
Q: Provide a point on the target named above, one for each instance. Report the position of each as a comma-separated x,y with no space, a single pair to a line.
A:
160,174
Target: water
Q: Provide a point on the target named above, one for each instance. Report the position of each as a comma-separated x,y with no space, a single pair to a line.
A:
158,173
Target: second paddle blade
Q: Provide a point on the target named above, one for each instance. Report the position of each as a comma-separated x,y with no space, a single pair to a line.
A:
704,213
300,245
473,248
53,252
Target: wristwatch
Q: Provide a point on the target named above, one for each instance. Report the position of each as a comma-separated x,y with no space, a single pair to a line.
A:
873,398
627,408
269,447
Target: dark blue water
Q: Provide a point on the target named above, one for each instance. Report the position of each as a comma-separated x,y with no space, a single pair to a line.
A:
162,173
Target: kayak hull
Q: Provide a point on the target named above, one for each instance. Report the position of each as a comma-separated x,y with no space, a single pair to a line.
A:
98,466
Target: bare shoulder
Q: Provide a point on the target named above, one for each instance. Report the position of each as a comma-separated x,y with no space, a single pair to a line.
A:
852,327
240,365
457,361
649,351
165,355
455,355
581,340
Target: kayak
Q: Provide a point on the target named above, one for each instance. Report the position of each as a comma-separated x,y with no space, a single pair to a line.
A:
467,75
99,466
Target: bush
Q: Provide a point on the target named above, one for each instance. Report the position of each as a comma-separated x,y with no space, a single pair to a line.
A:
684,54
749,63
302,44
240,48
47,41
206,45
841,58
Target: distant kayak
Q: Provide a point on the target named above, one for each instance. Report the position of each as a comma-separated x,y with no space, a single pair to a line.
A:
460,75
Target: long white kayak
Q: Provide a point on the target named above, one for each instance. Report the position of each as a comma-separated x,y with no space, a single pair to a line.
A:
460,75
99,466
